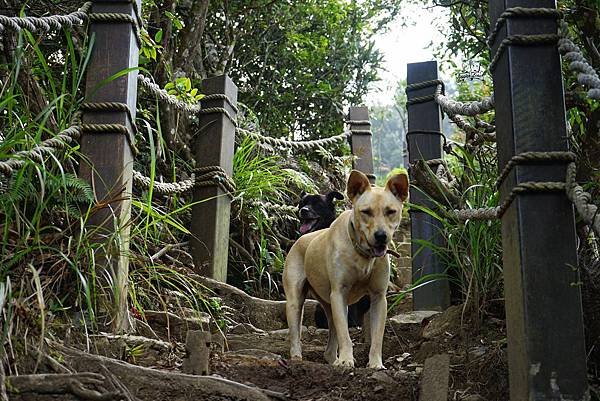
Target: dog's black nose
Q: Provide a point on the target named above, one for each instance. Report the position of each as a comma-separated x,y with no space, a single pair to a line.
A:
380,237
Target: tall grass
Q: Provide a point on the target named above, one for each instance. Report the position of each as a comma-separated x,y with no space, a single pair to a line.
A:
257,228
49,269
471,251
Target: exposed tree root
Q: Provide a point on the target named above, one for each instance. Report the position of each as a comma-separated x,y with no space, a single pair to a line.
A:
84,386
261,313
157,385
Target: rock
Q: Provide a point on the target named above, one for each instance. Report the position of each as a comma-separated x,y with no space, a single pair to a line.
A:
415,317
448,321
434,381
383,377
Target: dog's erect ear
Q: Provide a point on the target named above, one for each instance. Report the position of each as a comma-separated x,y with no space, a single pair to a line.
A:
334,194
398,185
302,194
358,183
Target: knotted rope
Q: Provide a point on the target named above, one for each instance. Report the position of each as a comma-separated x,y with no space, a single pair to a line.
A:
211,176
59,141
46,24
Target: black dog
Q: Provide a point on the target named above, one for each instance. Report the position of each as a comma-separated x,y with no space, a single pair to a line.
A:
318,212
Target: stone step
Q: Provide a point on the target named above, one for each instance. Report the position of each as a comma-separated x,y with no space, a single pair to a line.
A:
404,248
403,276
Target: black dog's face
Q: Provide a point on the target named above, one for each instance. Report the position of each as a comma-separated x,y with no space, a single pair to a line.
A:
317,211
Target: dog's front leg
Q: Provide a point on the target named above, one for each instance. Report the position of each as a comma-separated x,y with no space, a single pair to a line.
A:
339,309
378,313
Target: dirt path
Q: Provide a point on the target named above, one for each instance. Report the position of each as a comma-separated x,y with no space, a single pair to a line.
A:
478,362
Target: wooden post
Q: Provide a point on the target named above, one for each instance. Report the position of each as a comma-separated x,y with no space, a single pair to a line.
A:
546,351
424,139
214,147
360,142
108,159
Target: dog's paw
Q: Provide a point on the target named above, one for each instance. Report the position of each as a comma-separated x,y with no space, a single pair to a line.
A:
376,366
344,362
296,357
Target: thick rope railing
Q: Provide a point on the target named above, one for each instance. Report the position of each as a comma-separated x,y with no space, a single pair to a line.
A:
208,176
453,107
59,141
589,212
192,108
582,201
290,211
167,97
46,24
480,136
302,145
164,188
449,106
586,75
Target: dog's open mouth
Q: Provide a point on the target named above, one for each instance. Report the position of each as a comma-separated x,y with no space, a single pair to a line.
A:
308,225
379,250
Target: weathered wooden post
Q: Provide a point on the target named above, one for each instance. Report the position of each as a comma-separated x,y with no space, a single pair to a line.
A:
546,351
424,139
107,144
214,147
360,142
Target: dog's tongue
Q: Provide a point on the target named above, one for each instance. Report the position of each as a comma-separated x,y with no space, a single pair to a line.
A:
379,251
305,227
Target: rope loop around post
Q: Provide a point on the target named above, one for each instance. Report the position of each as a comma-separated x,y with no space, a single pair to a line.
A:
521,12
119,18
534,157
211,176
522,40
439,89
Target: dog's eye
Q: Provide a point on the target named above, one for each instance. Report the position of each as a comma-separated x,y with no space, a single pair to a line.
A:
367,212
390,212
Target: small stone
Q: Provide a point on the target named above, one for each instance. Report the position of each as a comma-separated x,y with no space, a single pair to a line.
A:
378,389
415,317
382,377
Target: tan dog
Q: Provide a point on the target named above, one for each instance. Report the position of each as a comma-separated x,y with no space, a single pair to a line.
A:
344,262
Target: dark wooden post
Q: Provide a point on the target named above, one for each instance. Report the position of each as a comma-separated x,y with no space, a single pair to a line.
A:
107,150
546,351
214,147
360,142
424,138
